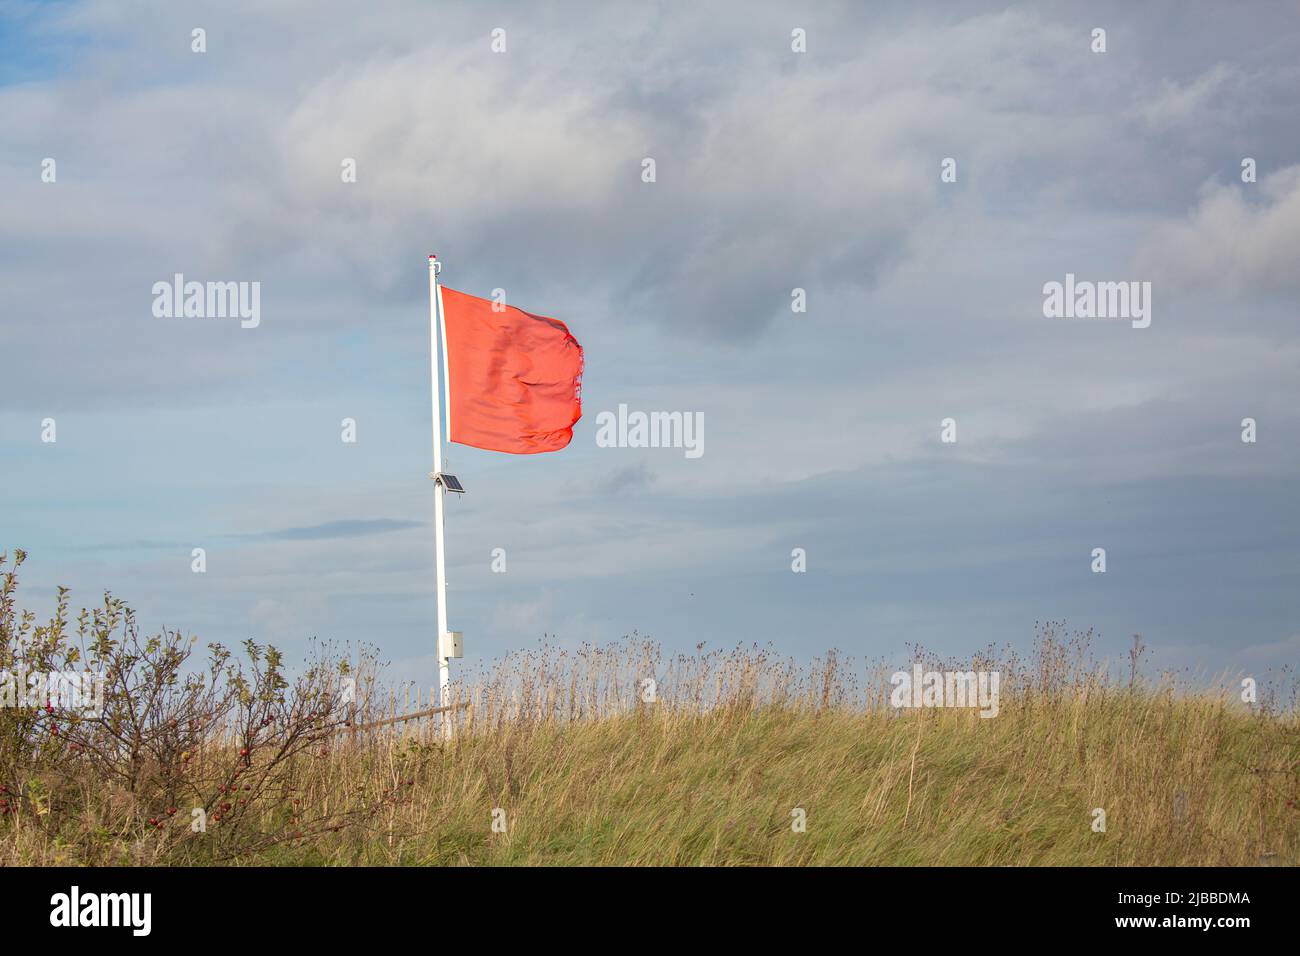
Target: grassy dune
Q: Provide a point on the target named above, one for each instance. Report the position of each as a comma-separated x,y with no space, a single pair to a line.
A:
562,757
1183,780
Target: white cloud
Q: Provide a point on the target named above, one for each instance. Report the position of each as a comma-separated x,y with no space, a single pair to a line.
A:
1238,239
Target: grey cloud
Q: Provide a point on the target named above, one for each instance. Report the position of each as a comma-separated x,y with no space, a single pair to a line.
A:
624,480
132,545
775,170
354,528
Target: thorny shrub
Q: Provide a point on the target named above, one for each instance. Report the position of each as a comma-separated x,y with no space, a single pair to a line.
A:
184,761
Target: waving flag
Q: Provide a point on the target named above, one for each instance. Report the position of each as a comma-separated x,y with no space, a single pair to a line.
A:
512,382
514,379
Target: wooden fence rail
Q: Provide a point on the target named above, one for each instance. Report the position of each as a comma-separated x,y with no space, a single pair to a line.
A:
401,717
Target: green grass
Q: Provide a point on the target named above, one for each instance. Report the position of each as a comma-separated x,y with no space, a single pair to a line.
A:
1181,779
714,772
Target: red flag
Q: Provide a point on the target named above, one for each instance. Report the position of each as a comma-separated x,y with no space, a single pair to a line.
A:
514,379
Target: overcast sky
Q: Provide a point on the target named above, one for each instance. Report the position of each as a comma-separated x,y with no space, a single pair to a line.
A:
774,170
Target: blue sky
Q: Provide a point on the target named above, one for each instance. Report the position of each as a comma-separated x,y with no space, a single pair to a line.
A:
818,170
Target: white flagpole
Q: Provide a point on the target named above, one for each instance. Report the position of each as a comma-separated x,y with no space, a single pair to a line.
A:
439,496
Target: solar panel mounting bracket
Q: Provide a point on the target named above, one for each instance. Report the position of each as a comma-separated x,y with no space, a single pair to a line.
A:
449,482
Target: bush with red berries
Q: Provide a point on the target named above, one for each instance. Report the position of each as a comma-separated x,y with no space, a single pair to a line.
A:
175,736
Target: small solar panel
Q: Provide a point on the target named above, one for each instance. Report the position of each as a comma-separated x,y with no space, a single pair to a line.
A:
452,483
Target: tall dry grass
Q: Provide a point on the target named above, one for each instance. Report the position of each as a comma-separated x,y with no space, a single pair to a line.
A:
711,773
562,746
